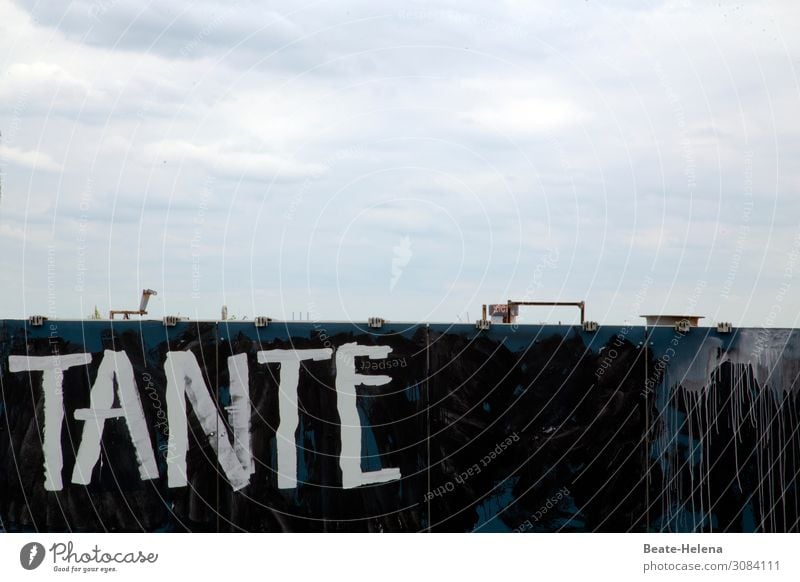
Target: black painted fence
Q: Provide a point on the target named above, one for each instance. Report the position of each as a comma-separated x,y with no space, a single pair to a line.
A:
403,428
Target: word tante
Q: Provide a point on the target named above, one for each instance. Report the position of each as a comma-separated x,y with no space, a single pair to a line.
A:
185,382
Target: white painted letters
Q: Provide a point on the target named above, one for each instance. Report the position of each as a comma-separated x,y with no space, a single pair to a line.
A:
287,406
102,398
185,379
346,382
53,378
239,411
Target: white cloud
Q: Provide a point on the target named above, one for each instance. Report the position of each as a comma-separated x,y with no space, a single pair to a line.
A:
232,161
28,159
526,116
47,86
624,136
10,231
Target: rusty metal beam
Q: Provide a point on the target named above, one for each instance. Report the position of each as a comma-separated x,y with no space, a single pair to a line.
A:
126,313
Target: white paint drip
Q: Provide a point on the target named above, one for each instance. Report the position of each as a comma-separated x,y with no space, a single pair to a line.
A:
52,385
287,406
774,357
101,399
765,365
185,379
346,382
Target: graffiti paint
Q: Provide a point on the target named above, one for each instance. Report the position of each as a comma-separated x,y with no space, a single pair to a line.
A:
132,426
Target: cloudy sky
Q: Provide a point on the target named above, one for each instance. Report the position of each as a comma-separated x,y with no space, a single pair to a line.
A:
407,160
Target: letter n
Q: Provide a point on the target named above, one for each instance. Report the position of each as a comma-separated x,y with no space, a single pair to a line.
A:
185,379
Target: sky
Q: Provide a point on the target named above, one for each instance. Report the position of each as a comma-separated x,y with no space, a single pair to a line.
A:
412,161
